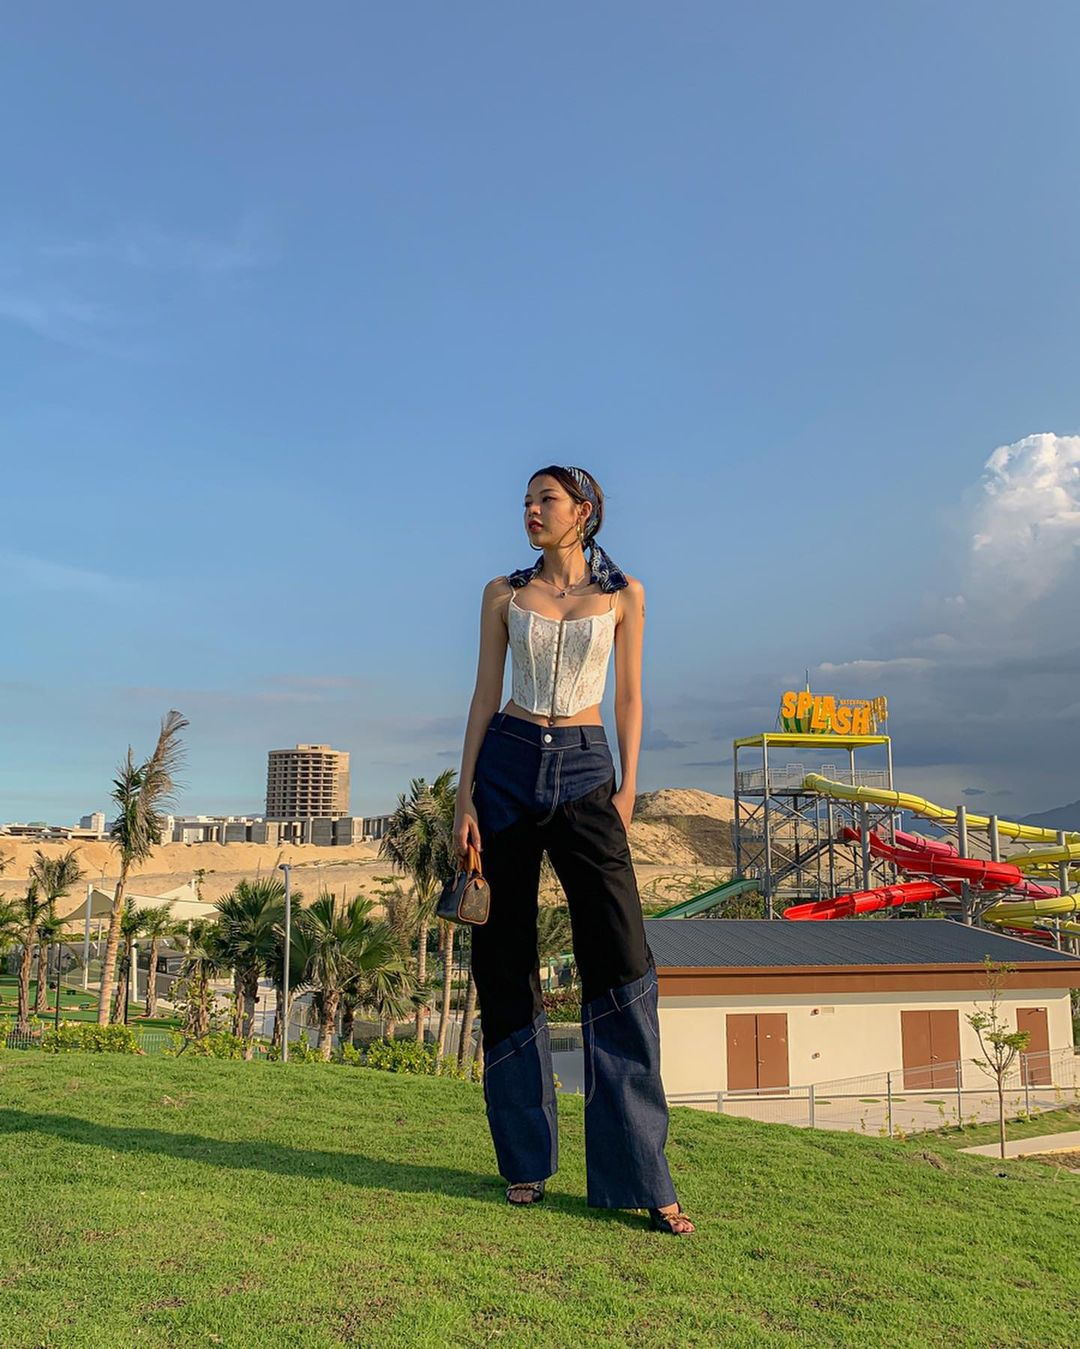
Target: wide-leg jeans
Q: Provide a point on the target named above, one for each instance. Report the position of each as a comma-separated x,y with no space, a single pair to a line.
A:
551,787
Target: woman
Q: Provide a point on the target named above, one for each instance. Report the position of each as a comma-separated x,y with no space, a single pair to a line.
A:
538,775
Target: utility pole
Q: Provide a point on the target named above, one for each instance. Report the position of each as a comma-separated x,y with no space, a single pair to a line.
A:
287,868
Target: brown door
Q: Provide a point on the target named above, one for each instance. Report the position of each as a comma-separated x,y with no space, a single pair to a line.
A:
915,1037
741,1051
772,1060
931,1049
1035,1060
757,1057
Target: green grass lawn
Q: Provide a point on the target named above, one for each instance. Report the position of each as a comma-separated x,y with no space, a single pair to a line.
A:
1063,1121
164,1202
76,1004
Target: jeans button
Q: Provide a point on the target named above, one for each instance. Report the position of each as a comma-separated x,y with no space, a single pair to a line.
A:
547,739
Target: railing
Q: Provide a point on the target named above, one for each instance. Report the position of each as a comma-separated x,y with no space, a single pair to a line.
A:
789,777
152,1039
906,1100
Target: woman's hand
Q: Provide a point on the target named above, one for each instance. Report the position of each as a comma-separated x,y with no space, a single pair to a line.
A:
466,830
624,804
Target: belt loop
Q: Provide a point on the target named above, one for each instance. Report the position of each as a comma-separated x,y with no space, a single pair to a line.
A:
501,718
584,737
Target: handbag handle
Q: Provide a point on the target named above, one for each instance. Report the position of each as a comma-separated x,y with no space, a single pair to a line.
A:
472,859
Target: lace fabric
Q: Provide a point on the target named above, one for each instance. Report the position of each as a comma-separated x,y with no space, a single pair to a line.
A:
559,666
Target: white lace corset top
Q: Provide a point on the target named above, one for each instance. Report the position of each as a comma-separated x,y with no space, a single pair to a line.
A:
559,664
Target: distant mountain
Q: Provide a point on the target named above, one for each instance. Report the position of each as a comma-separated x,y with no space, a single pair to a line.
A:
1061,817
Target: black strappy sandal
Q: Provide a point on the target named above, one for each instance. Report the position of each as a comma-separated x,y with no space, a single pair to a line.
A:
662,1222
537,1187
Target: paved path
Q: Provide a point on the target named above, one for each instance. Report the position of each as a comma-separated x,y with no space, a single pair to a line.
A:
1020,1147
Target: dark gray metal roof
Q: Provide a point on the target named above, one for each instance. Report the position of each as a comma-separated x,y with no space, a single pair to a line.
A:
726,942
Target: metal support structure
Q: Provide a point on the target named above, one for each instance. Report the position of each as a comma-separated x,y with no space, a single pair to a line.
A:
962,850
86,939
864,844
789,837
995,839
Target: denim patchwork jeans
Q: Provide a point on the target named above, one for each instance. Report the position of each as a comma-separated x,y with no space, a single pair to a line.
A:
550,787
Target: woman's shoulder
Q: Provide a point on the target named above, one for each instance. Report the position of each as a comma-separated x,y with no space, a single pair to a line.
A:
633,586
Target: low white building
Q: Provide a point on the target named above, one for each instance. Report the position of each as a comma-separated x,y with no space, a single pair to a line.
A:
754,1005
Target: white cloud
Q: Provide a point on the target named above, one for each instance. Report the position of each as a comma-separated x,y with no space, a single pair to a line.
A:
875,667
148,248
52,313
1026,533
21,572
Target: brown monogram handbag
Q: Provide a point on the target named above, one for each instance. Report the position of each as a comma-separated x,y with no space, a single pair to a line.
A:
466,898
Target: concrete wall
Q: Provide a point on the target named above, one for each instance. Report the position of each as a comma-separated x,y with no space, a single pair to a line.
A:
829,1036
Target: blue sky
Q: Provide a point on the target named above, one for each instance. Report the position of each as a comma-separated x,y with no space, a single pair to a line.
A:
292,304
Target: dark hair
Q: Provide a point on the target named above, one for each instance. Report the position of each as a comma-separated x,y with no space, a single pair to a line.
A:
566,480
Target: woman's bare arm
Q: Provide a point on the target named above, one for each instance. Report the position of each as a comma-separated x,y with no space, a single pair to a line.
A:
486,700
629,637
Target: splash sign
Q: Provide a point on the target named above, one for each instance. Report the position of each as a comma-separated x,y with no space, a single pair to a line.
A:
822,714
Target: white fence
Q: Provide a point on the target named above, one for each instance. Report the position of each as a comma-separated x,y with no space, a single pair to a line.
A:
880,1103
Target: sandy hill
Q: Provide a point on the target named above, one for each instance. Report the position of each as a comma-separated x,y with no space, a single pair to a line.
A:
681,825
674,828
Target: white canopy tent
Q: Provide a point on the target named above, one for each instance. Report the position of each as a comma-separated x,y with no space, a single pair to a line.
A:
182,902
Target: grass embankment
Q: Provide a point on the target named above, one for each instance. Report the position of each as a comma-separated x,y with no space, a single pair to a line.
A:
1063,1121
191,1202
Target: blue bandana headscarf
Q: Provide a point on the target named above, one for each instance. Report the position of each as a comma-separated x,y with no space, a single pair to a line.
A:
605,572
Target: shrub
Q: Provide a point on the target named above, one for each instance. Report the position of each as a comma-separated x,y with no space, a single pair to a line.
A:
219,1044
118,1039
563,1004
408,1056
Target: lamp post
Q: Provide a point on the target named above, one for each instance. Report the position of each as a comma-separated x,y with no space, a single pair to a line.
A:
59,959
287,868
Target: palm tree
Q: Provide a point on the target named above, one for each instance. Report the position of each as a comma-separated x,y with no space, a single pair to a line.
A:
251,918
132,923
158,925
32,908
50,931
388,993
419,841
139,791
204,959
10,924
275,968
55,877
337,945
401,909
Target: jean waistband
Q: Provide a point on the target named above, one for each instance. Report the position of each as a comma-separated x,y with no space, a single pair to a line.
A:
548,737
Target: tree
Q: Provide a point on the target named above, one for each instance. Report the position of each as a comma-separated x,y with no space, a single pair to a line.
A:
139,792
159,924
10,924
50,932
336,945
32,909
55,877
419,841
252,918
204,959
388,993
999,1045
132,924
275,968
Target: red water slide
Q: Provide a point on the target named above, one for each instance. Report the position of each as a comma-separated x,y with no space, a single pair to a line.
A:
870,901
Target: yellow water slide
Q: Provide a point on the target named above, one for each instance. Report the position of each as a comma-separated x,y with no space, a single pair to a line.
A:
1009,912
1023,833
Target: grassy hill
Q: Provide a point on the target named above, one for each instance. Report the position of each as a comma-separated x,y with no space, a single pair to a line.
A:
166,1202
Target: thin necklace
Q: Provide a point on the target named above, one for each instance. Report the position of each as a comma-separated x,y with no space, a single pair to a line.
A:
572,586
